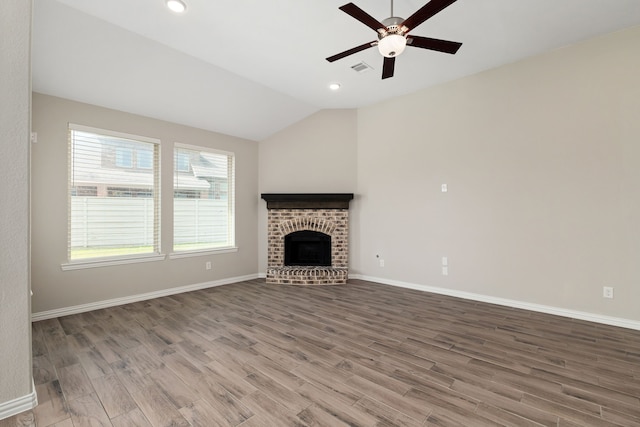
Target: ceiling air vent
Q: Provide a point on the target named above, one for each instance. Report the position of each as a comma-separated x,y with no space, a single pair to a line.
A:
361,67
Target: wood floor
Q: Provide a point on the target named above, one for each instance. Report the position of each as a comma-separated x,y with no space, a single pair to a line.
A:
363,354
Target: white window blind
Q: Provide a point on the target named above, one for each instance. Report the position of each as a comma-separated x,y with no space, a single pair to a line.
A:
113,194
203,199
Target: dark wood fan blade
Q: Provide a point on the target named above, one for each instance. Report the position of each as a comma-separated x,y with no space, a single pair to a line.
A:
388,67
426,12
362,16
350,51
445,46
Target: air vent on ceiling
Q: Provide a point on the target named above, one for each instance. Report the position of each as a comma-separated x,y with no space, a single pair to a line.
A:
361,67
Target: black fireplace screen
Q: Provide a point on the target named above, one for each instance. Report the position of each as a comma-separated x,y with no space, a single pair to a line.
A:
307,248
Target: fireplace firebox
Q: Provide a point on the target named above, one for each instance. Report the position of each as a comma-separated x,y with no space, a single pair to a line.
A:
309,248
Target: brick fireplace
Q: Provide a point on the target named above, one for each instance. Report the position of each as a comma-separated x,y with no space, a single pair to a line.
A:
299,227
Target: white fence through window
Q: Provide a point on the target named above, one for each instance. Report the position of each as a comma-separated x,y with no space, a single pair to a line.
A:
97,222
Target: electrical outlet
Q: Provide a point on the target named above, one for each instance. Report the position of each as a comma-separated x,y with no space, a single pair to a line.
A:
208,265
445,271
607,292
381,262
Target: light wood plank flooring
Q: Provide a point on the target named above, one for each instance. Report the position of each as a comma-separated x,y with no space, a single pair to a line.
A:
364,354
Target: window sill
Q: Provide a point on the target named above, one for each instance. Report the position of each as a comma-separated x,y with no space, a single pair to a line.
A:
189,254
105,262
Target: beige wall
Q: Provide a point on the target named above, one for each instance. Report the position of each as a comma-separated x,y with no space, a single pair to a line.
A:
54,288
15,95
316,155
542,163
541,159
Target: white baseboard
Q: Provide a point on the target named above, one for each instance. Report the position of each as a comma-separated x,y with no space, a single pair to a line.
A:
591,317
65,311
581,315
21,404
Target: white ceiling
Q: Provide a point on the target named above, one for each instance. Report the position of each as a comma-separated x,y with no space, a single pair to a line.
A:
250,68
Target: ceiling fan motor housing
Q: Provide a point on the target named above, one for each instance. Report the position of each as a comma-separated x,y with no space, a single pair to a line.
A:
392,41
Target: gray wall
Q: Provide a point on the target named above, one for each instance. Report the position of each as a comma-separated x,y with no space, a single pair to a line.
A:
542,163
54,288
540,158
15,95
316,155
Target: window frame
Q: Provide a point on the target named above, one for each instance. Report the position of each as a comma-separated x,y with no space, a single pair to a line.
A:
231,210
92,262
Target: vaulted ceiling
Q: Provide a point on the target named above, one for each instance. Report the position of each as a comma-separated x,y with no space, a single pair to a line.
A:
250,68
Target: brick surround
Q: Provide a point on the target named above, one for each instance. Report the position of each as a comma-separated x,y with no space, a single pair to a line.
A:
334,222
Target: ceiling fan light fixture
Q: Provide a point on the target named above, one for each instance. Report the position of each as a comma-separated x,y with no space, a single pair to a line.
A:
392,45
177,6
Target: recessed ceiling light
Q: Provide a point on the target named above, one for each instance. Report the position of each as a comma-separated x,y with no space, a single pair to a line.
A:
334,86
177,6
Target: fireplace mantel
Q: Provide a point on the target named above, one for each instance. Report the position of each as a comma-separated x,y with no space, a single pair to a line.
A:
307,200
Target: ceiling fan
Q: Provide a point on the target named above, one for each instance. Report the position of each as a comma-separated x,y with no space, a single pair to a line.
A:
393,34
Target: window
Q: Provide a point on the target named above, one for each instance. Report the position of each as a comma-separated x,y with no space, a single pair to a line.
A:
144,158
203,199
182,161
124,157
113,206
